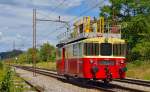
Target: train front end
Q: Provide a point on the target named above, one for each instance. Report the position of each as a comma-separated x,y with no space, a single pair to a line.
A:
104,60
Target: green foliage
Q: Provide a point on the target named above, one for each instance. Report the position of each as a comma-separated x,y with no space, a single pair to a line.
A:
47,52
6,82
134,17
29,55
22,58
143,49
139,69
1,65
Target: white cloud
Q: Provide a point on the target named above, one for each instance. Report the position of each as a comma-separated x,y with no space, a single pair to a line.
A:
50,3
1,34
17,25
16,21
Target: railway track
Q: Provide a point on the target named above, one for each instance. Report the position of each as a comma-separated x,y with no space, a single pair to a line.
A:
135,81
98,85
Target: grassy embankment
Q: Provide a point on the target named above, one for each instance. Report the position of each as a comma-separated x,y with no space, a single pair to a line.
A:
1,71
9,82
139,69
47,65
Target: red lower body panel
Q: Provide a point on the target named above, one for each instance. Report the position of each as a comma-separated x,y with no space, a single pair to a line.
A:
93,68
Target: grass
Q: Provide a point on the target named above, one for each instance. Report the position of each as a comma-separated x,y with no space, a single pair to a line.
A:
20,86
139,70
6,80
9,82
1,71
47,65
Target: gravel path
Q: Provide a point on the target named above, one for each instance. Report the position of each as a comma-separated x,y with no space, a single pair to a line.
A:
48,84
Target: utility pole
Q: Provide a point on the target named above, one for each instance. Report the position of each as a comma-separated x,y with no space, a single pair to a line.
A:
34,43
34,36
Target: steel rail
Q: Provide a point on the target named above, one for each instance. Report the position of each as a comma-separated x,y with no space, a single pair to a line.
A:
135,81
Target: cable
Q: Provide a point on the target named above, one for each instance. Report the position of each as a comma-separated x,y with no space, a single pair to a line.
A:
53,10
86,11
59,5
95,6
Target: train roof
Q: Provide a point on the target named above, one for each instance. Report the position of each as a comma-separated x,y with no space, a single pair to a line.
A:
88,30
94,40
102,40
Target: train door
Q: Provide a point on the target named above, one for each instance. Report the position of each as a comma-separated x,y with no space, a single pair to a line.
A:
63,61
66,61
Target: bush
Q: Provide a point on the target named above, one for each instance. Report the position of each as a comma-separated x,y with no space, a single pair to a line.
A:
137,63
6,81
1,65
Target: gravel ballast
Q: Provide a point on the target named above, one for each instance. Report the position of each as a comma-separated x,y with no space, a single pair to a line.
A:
49,84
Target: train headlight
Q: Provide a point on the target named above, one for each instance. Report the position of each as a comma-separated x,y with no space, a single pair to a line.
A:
122,62
91,61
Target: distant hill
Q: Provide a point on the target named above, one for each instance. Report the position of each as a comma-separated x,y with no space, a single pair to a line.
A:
10,54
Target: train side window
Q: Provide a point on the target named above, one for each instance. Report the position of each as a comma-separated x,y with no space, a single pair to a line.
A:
115,49
123,49
119,49
71,51
87,49
96,49
75,50
80,49
91,49
59,53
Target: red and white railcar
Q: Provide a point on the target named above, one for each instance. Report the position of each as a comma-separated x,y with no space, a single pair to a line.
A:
100,58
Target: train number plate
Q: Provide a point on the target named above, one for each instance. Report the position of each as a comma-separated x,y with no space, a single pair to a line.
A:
106,62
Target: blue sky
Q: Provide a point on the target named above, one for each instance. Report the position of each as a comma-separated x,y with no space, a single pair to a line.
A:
16,20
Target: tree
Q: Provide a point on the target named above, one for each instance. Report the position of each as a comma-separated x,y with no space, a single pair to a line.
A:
30,55
133,15
47,52
21,58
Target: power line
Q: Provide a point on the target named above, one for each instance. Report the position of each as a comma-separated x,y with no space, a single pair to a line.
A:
53,10
59,5
86,11
95,6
